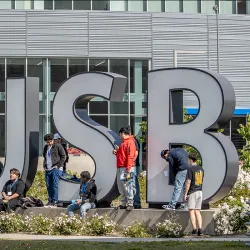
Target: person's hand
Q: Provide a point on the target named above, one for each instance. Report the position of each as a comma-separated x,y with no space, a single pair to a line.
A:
78,202
7,198
114,151
185,197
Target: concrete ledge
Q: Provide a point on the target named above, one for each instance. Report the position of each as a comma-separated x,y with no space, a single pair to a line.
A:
124,218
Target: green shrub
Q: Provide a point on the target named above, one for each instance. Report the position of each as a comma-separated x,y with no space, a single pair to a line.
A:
99,225
137,230
11,223
170,227
38,224
66,225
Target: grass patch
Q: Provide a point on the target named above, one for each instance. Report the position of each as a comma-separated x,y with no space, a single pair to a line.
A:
75,245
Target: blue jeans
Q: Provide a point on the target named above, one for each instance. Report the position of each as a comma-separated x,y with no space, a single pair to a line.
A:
83,208
52,178
137,197
179,184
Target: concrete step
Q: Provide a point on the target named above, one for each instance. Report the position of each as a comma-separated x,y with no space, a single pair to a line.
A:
247,233
125,218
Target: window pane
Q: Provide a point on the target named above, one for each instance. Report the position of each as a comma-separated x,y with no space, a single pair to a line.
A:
63,4
236,138
172,6
19,4
120,67
100,106
35,69
241,6
207,6
77,66
42,132
5,4
58,72
155,5
100,5
2,135
190,6
102,120
135,5
16,67
117,122
2,75
138,86
82,5
48,4
226,7
120,5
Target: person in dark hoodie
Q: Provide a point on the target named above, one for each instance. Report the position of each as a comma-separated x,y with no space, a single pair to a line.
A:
178,164
87,200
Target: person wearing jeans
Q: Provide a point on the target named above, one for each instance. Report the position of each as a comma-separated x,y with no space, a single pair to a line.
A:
87,200
178,164
137,171
125,156
54,157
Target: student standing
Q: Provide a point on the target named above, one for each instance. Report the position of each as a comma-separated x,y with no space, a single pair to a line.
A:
125,155
193,194
54,158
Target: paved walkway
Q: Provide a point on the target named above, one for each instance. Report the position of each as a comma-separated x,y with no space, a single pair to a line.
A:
242,238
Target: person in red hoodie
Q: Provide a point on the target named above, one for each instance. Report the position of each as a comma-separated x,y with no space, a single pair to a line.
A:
125,156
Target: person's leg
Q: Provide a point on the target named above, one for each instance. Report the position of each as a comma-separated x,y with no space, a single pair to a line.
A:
121,188
48,185
137,197
84,208
199,218
55,179
71,208
12,204
192,218
178,186
130,189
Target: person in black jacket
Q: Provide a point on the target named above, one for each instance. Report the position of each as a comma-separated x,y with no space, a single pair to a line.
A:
54,158
13,191
58,139
178,164
87,200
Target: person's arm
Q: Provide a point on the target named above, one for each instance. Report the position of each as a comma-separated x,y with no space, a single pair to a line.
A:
19,191
62,155
131,149
137,149
4,195
188,183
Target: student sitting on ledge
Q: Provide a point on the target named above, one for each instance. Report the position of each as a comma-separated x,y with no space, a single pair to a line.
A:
13,191
87,198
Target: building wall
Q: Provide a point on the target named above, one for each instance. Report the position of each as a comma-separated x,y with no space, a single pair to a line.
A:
54,45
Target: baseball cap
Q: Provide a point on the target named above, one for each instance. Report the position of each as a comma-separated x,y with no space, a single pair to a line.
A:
57,136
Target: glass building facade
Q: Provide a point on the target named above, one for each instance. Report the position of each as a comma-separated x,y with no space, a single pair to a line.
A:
186,6
52,72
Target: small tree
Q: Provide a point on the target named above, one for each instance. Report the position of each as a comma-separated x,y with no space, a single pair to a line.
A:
244,153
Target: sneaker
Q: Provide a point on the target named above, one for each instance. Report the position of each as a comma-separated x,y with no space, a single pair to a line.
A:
53,204
182,207
194,232
168,207
200,232
48,204
122,207
137,207
129,208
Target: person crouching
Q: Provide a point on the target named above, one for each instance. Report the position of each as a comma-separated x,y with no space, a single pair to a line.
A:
87,199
